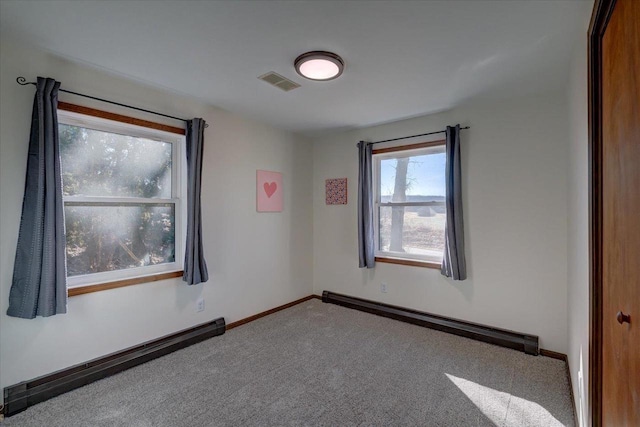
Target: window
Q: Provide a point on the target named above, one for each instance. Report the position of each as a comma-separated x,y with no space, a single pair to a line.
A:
122,192
409,198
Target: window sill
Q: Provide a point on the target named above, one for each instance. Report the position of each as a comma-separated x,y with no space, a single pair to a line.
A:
97,287
410,262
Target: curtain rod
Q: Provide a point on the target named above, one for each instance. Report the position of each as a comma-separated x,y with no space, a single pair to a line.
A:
23,82
414,136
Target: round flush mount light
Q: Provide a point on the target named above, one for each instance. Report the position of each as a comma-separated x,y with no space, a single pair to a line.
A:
319,65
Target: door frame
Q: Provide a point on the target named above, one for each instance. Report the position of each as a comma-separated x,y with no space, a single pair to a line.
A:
601,14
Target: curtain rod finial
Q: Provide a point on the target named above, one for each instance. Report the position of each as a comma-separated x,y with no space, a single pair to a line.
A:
23,82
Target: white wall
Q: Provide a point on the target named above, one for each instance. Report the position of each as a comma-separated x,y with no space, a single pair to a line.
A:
256,261
578,231
514,161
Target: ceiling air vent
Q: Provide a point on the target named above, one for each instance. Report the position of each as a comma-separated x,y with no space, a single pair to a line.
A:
278,81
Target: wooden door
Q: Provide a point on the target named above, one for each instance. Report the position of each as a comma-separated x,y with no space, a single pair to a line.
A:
620,168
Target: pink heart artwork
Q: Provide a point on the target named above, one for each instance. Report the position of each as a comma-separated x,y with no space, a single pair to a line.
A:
270,188
269,191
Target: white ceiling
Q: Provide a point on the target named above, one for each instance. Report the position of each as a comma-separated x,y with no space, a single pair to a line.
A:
403,58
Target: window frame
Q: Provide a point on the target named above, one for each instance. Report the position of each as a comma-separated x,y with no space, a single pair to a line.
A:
108,122
401,258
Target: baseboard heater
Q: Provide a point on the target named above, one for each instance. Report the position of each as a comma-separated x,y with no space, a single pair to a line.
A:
516,340
19,397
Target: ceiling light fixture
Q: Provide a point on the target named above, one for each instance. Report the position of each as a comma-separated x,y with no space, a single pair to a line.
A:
319,65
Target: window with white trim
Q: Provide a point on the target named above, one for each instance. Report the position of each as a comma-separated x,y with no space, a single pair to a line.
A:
409,198
123,199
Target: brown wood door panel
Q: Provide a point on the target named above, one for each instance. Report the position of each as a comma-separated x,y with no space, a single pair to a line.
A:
621,215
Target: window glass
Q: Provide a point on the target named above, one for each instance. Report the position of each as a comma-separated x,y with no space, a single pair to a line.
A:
116,237
420,229
97,163
121,198
422,175
410,211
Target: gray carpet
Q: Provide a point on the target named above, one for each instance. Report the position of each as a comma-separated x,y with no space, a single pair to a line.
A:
321,364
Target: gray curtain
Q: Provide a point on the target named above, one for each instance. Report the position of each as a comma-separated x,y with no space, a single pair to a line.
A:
195,266
366,245
453,262
39,285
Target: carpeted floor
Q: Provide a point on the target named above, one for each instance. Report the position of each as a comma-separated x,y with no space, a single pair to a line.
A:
321,364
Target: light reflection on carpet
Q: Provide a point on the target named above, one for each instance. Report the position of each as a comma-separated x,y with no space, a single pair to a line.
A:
495,405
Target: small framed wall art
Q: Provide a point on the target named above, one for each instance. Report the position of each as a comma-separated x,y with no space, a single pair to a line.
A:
336,191
268,191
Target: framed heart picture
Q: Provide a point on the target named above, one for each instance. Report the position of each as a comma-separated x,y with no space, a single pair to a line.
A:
268,191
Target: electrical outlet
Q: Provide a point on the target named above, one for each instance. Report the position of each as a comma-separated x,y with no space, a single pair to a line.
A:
200,304
383,288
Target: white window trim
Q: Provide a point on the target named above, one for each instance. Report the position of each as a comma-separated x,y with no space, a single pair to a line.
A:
435,257
178,195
